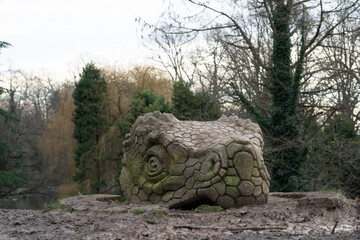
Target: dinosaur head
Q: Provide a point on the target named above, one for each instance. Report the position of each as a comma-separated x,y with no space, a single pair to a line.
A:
185,163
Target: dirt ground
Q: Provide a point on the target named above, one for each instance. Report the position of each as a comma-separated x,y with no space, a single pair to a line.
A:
317,215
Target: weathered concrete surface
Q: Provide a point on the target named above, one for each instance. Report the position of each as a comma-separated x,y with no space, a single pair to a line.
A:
102,217
182,163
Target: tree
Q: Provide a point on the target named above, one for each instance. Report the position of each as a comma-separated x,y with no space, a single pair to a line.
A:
283,121
3,113
334,161
142,101
182,100
57,145
4,148
7,117
340,64
8,180
291,33
91,121
31,100
187,105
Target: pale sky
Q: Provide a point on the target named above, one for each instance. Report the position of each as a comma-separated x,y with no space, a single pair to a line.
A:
54,35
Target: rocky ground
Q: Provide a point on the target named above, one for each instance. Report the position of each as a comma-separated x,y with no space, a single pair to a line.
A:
318,215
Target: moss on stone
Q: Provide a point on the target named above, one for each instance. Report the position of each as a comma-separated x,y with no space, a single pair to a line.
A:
232,180
231,172
157,188
232,192
173,183
220,187
257,181
244,163
246,188
255,172
167,196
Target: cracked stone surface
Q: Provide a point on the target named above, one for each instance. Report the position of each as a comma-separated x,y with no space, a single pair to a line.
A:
178,163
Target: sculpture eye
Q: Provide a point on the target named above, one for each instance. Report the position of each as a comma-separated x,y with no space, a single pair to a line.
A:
156,163
153,167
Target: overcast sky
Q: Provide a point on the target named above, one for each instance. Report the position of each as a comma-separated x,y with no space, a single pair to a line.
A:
54,35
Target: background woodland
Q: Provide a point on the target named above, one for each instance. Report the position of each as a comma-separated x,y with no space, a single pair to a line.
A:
291,66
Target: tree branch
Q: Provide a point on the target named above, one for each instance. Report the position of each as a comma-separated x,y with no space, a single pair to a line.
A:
239,97
355,7
239,28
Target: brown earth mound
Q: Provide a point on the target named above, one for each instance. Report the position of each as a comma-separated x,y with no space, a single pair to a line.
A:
316,215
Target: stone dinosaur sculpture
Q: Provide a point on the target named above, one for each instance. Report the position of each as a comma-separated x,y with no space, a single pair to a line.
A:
187,163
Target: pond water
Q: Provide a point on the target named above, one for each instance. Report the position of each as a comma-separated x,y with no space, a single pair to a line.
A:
26,202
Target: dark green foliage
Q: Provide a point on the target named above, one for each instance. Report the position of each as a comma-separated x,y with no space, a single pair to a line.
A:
7,178
4,155
11,179
183,100
7,115
187,105
90,117
80,174
97,185
282,124
335,165
340,127
205,108
142,101
239,97
334,158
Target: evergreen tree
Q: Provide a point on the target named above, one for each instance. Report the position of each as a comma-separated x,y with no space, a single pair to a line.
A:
285,87
142,101
91,121
205,109
183,100
282,124
334,162
340,127
187,105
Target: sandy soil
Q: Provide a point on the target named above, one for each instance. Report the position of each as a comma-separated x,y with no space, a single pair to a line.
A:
286,216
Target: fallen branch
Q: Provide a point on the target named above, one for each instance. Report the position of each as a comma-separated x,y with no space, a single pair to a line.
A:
333,230
230,229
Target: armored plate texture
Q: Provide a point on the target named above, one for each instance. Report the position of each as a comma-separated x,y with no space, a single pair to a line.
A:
184,163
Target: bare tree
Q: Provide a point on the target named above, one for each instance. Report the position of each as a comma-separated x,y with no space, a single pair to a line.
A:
270,46
30,100
340,62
